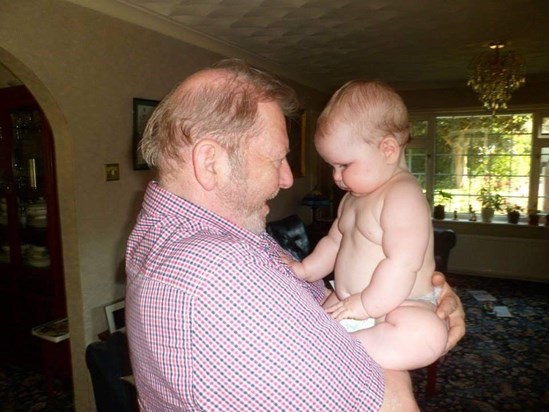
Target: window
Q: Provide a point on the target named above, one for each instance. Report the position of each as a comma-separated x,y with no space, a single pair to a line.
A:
417,153
543,188
507,154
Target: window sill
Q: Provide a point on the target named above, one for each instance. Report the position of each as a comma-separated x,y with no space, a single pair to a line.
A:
499,229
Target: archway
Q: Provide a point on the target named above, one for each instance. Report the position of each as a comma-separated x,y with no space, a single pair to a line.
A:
67,215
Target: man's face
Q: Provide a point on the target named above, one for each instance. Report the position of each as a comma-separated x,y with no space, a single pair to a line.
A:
264,171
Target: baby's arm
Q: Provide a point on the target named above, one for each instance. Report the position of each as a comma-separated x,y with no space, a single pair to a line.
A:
406,226
321,261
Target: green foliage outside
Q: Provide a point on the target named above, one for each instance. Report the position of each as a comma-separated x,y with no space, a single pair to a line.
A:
492,154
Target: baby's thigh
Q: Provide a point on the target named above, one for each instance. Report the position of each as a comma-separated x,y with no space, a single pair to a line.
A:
418,321
412,336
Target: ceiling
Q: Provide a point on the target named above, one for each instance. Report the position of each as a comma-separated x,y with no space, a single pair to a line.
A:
410,44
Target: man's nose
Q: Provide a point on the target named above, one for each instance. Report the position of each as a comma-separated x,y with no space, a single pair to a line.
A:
286,178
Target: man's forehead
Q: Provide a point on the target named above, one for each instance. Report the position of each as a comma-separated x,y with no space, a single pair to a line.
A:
206,76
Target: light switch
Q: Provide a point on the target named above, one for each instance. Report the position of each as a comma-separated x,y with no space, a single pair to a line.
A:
112,172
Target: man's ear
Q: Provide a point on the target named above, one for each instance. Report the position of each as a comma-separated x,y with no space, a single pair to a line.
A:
207,156
390,148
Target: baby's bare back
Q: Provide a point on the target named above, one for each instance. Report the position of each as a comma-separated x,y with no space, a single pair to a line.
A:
363,242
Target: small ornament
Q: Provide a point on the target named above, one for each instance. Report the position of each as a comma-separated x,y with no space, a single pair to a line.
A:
473,217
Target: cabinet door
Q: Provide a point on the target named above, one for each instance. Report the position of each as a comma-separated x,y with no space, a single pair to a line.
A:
29,177
6,189
31,270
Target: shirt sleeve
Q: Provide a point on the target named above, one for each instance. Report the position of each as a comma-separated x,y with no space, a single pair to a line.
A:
261,342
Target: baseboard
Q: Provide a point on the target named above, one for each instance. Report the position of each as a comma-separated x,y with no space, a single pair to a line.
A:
507,276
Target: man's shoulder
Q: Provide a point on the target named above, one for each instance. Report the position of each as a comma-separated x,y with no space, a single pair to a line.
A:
218,245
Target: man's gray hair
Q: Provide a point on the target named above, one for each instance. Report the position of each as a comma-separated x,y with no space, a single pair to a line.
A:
224,110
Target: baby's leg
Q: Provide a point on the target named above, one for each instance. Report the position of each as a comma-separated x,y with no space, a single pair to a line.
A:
412,336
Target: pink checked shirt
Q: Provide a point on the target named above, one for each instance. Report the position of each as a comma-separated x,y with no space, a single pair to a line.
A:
217,322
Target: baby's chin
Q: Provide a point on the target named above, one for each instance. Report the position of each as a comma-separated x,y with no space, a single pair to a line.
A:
343,187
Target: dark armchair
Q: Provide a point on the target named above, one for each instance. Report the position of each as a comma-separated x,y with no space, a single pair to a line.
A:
108,361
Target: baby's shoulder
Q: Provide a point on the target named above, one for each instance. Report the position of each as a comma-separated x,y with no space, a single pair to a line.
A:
404,181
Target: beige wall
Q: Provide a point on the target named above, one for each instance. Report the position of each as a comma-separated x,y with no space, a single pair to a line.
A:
84,68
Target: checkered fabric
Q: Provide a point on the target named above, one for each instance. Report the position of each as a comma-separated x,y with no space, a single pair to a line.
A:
217,322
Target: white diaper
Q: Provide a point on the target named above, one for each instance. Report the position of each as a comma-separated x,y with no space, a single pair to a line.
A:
353,325
430,297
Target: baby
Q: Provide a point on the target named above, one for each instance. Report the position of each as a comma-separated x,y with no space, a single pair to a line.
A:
380,247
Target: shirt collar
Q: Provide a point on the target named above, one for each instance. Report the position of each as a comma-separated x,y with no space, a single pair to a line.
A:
159,201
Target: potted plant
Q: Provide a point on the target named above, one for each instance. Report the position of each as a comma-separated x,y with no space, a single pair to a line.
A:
489,204
533,217
513,212
441,197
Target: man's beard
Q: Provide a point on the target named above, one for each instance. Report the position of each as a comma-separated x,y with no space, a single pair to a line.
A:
241,198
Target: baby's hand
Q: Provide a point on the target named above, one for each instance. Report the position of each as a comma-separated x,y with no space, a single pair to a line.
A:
349,308
296,266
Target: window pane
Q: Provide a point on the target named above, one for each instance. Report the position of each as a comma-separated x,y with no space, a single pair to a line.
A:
543,191
545,127
474,152
418,128
416,158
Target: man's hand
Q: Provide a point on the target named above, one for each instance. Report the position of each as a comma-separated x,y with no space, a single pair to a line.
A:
398,396
450,309
349,308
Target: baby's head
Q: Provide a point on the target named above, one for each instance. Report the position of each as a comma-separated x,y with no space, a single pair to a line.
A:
371,109
361,133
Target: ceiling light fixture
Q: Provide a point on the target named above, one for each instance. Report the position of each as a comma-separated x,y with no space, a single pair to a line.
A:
494,75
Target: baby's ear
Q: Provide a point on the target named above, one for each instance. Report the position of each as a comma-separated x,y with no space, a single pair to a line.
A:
390,148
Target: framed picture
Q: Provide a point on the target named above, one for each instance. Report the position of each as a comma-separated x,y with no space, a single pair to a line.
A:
297,134
142,110
115,316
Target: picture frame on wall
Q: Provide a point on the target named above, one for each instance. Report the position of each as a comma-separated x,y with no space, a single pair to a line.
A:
142,110
297,135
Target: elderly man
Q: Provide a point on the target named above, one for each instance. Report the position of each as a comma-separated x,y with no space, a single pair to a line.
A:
216,320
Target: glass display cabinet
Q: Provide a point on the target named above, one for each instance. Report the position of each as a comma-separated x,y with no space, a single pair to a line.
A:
27,244
31,274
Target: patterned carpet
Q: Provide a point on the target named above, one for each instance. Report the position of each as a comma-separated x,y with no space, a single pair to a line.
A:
502,364
25,390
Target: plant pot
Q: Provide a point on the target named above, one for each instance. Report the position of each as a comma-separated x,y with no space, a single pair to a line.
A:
513,217
533,220
439,212
487,214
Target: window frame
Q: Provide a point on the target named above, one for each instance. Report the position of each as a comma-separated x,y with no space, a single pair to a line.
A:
428,144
